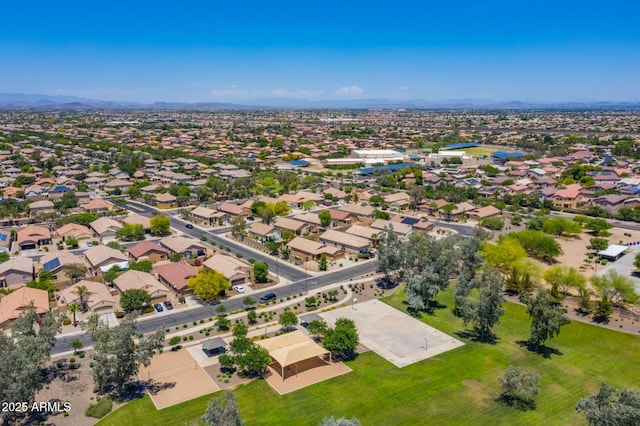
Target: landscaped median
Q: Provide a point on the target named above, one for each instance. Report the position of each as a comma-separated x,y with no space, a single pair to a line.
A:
457,387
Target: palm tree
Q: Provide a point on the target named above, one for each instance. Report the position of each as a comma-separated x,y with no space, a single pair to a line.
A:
73,308
82,292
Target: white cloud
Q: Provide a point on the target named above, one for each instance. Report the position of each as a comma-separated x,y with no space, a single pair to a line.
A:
403,88
351,91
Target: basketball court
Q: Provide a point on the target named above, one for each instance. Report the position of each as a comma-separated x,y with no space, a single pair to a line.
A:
394,335
176,377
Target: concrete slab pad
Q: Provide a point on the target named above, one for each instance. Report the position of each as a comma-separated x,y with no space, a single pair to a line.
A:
392,334
176,377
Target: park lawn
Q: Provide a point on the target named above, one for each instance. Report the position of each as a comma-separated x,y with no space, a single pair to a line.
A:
456,387
477,151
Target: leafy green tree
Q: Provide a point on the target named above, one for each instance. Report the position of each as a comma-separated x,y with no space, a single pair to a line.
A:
160,225
134,299
4,256
208,284
598,244
76,345
503,253
267,213
342,339
389,262
131,232
260,272
252,317
584,300
249,302
604,308
25,354
379,214
222,411
636,261
546,317
176,257
599,227
75,271
143,266
288,320
618,288
223,324
281,208
538,245
611,406
485,312
342,421
238,226
519,388
561,226
325,218
470,262
562,279
111,274
322,262
255,361
493,223
116,356
317,328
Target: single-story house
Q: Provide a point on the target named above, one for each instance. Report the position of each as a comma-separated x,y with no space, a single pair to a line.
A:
16,272
484,212
98,299
187,247
263,232
235,270
41,207
143,281
292,225
97,205
136,219
308,249
613,252
346,241
12,304
106,228
74,230
205,216
56,262
175,274
148,250
102,258
32,237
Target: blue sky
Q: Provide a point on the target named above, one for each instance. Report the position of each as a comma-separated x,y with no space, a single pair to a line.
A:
194,51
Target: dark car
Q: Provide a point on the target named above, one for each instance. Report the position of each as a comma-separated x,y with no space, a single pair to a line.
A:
267,297
189,226
168,305
158,307
250,218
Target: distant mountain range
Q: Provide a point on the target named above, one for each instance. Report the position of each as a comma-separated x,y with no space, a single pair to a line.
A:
47,102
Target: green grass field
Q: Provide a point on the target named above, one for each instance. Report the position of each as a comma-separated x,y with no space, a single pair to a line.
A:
478,150
456,387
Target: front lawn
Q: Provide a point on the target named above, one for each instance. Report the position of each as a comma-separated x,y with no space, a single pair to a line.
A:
456,387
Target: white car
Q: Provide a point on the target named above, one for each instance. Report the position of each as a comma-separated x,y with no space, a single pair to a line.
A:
238,288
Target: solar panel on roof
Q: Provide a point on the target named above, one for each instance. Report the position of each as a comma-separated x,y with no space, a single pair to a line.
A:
3,237
51,265
410,221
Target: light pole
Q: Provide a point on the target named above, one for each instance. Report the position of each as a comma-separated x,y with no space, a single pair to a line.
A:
426,343
306,280
353,301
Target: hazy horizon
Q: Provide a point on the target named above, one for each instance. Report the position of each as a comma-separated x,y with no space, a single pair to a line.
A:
497,51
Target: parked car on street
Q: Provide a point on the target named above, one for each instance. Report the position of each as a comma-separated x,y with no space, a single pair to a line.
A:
267,297
238,288
168,305
158,307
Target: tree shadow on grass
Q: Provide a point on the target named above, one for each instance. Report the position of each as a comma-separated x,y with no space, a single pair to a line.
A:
542,350
431,308
518,403
477,337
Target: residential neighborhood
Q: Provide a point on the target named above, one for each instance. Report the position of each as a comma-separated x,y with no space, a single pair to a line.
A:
185,225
